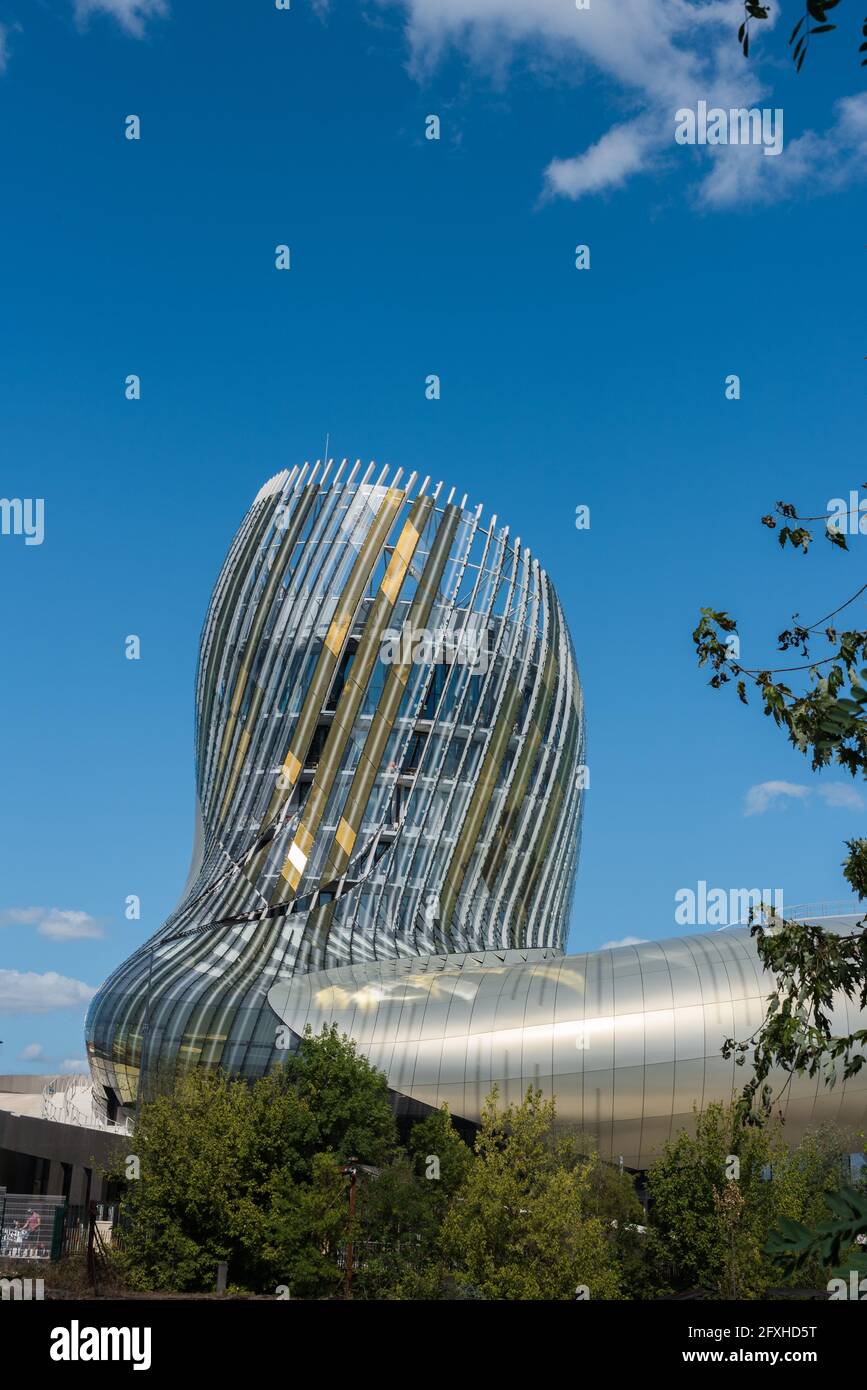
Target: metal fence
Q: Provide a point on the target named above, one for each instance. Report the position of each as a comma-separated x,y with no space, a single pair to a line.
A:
76,1227
31,1228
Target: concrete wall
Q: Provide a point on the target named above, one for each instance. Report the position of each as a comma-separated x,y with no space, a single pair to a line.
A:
20,1084
34,1151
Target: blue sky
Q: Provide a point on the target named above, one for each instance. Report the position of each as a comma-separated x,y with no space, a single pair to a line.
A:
559,387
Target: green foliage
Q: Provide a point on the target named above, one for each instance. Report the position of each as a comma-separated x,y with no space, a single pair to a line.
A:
519,1226
401,1212
257,1175
711,1219
207,1154
249,1173
346,1097
437,1139
827,722
830,1242
307,1226
612,1197
398,1236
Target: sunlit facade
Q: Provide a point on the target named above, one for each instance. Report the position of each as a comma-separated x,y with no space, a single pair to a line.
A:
390,768
389,754
626,1040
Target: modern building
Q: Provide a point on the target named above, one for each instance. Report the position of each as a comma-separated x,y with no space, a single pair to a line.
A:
390,766
389,737
52,1141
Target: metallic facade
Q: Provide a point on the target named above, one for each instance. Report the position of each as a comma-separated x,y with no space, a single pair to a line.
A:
387,837
362,795
627,1040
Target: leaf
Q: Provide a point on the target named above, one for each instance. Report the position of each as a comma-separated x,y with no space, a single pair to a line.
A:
823,28
797,27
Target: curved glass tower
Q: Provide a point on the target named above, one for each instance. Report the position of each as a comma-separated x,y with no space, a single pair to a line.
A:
389,745
389,771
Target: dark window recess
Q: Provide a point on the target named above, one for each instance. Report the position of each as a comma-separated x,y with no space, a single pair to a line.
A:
453,757
489,704
317,744
414,752
262,651
340,678
41,1168
471,699
434,690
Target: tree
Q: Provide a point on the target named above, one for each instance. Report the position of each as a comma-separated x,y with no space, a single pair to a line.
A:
401,1210
250,1174
812,21
440,1157
813,1182
612,1197
398,1236
346,1096
825,722
308,1226
717,1196
518,1227
206,1155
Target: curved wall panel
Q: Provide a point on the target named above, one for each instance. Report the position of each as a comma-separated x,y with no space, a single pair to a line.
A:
389,746
627,1040
388,726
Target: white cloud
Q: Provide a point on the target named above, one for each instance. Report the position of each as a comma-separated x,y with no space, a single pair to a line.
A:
33,1052
131,15
66,925
4,47
660,56
72,1066
57,923
25,916
822,163
767,795
840,794
624,941
24,992
621,151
